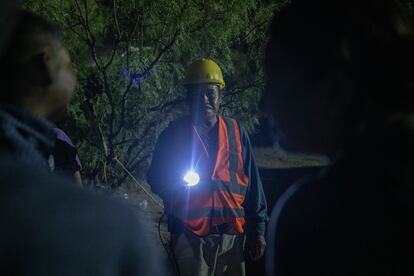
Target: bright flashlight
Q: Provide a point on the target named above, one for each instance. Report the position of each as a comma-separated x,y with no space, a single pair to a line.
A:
191,178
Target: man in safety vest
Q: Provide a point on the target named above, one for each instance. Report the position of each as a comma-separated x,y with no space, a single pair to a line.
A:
204,170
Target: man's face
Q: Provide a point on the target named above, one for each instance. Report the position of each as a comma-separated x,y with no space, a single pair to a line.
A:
62,87
205,100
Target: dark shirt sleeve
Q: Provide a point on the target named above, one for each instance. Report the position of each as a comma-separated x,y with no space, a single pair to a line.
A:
159,161
66,158
162,172
255,203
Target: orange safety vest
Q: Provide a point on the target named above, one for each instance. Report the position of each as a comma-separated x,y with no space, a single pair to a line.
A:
219,199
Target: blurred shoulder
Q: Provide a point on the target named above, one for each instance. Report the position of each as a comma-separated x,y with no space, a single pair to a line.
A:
39,191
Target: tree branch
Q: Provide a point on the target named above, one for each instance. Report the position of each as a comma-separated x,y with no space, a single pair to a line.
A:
139,141
115,14
161,107
139,76
157,58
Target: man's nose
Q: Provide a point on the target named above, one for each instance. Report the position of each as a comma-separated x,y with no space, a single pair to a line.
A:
206,98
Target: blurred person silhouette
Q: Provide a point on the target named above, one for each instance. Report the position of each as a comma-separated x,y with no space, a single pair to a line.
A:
37,84
48,225
340,83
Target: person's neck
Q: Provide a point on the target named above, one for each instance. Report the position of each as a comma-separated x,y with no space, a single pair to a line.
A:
33,105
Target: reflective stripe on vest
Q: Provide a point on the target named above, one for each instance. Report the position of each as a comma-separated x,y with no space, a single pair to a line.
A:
221,202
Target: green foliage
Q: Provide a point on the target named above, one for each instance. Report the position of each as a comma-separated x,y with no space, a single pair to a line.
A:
130,55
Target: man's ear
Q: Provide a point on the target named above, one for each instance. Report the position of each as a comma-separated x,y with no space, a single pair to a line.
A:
38,68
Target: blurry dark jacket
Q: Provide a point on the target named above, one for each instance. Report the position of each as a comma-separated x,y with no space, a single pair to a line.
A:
25,136
355,217
52,227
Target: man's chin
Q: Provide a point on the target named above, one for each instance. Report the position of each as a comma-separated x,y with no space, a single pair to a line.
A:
58,115
210,112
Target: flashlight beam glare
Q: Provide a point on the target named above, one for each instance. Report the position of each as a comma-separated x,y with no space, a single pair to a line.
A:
191,178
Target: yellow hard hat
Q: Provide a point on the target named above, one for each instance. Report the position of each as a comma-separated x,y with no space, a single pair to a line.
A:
204,71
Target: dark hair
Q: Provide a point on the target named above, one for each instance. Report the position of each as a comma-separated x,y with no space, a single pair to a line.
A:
371,41
31,34
8,18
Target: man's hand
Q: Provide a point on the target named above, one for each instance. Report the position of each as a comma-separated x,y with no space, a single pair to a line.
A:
256,247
